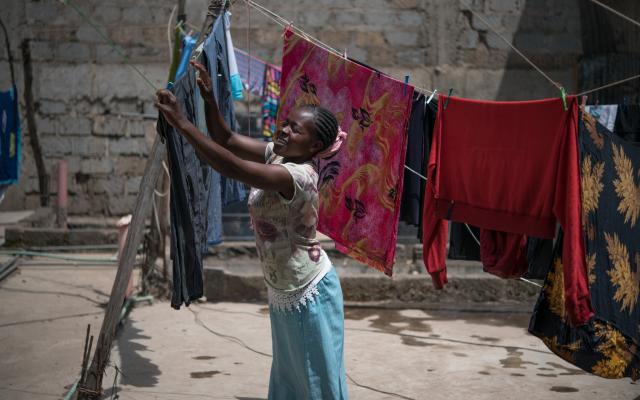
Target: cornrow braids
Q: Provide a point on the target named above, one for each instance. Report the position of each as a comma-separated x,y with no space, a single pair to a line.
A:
325,123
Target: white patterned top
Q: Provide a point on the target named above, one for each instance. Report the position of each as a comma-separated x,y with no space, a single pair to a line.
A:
285,230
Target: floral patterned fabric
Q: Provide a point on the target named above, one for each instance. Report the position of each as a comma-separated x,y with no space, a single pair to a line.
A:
359,186
285,230
608,344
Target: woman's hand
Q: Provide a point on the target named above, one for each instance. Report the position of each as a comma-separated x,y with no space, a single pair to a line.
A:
204,83
167,104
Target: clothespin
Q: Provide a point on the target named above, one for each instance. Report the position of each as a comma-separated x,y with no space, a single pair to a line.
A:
180,28
170,85
406,83
584,103
563,94
446,103
344,54
432,96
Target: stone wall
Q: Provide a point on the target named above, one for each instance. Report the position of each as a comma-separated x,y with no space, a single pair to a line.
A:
91,107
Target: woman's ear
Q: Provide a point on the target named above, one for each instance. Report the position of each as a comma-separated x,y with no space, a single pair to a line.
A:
316,146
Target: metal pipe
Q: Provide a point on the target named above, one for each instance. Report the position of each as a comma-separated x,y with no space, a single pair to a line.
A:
56,256
63,168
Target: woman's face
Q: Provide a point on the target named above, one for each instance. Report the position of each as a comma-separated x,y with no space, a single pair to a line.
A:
297,140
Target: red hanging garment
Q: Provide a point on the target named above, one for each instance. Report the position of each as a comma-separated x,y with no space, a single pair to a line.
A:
510,167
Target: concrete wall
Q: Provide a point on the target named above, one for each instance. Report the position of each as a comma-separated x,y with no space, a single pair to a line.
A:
82,88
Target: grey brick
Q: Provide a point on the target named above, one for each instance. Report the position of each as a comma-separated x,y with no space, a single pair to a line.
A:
137,127
41,51
52,107
410,19
133,185
76,126
108,13
316,19
64,82
469,39
128,147
96,147
107,125
96,166
73,52
121,205
130,165
402,38
378,18
493,19
113,185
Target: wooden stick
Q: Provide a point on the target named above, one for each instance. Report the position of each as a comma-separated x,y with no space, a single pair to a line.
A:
125,267
43,177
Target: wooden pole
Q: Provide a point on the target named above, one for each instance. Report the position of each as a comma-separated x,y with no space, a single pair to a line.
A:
93,384
43,177
125,266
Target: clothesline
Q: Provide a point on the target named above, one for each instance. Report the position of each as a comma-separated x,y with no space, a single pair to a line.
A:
110,42
286,23
618,13
148,81
508,42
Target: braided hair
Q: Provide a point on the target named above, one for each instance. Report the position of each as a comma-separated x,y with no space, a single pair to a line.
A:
325,123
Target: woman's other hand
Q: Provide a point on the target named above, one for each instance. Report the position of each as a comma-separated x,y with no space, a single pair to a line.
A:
167,104
204,83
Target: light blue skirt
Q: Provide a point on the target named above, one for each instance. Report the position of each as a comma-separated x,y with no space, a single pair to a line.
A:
308,347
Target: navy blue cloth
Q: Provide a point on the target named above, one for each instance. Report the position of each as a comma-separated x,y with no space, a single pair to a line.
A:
227,191
9,137
189,198
420,129
608,344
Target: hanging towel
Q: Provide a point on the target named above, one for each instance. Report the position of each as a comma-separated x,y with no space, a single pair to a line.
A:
609,345
10,139
527,155
234,75
360,186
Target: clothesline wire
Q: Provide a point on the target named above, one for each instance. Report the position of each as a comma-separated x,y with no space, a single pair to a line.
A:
618,13
109,41
283,22
608,85
508,42
520,278
415,172
471,232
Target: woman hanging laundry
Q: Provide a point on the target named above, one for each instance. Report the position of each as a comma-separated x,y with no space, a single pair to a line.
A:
305,298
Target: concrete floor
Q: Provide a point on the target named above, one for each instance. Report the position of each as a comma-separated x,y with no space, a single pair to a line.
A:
222,351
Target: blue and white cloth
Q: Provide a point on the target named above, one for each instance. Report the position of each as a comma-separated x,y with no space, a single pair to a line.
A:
10,137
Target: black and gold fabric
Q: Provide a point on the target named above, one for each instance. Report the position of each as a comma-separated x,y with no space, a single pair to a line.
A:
607,345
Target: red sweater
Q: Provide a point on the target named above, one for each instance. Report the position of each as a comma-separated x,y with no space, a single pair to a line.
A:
510,167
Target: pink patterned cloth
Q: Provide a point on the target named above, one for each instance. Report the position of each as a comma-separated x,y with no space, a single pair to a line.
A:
360,186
